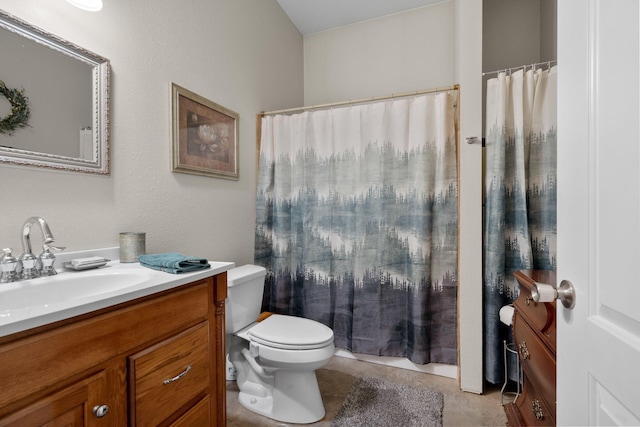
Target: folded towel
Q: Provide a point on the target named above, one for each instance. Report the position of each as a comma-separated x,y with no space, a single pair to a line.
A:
173,262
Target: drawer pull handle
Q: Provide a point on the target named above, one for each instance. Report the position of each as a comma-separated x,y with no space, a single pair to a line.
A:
528,300
177,377
537,409
100,410
523,350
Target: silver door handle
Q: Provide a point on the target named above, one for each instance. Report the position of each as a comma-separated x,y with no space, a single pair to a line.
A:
543,292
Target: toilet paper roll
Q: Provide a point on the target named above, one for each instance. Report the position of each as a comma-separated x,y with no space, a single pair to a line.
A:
546,293
506,315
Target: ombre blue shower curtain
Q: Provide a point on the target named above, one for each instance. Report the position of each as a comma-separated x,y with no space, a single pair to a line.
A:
357,223
520,195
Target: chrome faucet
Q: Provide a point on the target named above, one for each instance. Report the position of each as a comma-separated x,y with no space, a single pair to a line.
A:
33,266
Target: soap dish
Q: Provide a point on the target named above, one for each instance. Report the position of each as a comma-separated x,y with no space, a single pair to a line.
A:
85,266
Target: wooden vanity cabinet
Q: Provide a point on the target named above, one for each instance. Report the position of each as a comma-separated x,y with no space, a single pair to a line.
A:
157,360
534,332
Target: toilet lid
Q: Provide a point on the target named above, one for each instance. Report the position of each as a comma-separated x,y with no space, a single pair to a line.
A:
290,332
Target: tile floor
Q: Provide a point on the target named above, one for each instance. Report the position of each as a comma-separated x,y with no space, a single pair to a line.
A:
337,377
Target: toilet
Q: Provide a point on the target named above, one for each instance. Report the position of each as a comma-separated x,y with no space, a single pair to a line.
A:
275,359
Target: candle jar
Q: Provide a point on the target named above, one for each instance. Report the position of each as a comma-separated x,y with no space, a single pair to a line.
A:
132,244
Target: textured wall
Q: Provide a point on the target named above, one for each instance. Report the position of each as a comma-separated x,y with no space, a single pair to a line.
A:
399,53
243,54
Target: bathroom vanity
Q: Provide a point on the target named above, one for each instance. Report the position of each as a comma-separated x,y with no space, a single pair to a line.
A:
155,358
534,331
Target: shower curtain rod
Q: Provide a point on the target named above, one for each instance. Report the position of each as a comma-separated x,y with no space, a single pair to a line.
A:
555,61
361,101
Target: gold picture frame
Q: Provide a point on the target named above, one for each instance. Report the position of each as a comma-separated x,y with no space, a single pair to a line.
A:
204,136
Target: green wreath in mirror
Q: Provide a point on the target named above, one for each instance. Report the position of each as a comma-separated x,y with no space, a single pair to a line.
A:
19,115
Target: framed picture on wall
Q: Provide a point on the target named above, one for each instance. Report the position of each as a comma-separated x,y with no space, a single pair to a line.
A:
204,136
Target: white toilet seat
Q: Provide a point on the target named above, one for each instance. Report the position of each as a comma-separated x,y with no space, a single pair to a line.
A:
288,333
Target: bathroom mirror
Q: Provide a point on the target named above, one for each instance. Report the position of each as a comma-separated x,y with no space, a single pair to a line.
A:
66,92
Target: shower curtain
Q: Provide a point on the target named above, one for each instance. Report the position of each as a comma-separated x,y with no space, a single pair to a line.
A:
520,195
356,223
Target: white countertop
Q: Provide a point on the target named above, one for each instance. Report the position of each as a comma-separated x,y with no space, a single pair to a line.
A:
13,319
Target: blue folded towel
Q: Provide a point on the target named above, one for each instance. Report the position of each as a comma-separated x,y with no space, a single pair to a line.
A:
173,262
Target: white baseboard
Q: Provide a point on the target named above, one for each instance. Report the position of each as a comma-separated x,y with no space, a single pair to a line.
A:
449,371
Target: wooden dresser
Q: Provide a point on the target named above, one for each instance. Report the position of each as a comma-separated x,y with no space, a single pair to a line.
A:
534,331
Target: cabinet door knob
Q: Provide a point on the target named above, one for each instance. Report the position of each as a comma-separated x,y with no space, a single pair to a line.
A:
100,410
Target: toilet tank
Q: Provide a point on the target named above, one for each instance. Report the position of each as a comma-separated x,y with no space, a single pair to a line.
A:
245,286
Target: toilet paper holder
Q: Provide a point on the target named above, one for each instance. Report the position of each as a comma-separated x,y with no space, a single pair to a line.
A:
543,292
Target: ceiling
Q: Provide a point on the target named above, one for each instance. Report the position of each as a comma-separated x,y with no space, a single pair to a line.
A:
314,16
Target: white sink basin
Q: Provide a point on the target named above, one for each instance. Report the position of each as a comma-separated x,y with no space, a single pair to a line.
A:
69,286
28,304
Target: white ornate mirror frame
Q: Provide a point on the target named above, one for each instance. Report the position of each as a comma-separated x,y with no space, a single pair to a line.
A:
96,158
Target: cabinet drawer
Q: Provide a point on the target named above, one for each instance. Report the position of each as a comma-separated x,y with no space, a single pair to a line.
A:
538,364
540,315
168,375
533,409
199,415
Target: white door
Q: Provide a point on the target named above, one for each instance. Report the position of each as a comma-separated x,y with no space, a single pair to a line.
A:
598,348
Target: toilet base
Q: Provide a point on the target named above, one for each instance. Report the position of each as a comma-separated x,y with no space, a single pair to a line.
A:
259,405
294,399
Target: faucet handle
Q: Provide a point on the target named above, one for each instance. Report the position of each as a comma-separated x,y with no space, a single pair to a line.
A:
47,258
6,252
8,266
